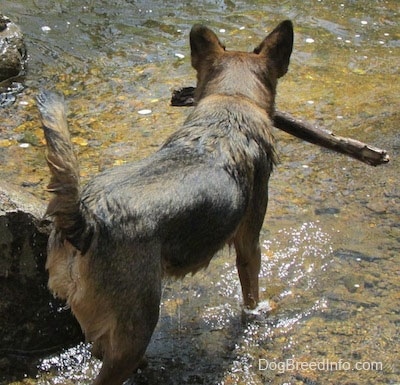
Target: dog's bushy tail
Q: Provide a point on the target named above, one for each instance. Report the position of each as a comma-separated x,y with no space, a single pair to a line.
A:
63,164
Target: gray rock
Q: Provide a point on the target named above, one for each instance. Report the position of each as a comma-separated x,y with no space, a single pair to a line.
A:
32,322
12,49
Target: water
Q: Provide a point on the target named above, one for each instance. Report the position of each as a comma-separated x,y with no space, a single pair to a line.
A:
330,275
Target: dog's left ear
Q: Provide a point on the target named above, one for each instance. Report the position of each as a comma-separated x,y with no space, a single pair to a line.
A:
204,44
277,47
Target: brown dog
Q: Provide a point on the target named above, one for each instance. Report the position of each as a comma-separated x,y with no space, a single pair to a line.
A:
170,213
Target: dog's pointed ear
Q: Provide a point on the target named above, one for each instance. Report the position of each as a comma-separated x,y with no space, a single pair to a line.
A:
203,44
277,47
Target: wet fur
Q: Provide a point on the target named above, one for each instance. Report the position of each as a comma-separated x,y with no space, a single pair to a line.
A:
114,239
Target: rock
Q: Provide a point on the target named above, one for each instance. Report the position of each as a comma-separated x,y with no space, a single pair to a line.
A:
12,49
32,322
377,207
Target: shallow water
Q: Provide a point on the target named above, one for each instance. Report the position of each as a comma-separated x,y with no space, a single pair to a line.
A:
330,272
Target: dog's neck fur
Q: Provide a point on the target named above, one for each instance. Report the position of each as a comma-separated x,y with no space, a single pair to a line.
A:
235,112
237,122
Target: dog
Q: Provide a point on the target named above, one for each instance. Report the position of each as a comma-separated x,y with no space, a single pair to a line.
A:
114,239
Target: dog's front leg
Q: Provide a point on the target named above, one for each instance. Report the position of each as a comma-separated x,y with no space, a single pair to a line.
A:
248,263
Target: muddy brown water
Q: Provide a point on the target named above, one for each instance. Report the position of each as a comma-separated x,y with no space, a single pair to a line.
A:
330,272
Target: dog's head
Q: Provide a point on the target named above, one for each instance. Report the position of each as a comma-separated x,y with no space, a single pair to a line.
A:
253,74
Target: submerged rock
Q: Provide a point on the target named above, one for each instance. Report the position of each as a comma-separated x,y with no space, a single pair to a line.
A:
12,49
32,322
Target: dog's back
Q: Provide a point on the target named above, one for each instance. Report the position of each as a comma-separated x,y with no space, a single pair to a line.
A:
171,212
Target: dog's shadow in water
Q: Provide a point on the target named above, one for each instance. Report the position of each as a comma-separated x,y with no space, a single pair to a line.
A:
189,348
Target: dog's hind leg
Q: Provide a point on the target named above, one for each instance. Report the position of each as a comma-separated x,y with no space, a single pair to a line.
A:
123,343
126,307
123,359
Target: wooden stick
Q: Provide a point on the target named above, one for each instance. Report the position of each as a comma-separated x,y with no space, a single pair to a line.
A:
361,151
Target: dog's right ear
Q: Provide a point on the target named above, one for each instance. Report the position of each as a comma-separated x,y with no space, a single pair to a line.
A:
204,43
277,47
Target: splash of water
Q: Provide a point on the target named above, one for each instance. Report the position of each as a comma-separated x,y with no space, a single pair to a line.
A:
294,262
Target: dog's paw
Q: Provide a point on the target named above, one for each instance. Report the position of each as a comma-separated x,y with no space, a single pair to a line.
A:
260,313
